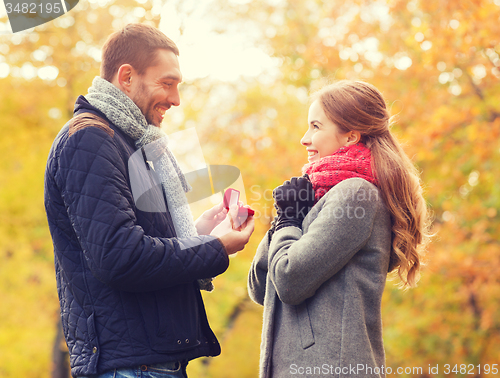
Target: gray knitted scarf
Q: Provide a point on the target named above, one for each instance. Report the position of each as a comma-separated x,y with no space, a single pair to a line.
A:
125,114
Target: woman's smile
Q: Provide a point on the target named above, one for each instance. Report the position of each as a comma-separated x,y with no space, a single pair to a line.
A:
312,155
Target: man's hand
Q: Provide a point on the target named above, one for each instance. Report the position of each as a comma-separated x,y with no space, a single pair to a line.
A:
210,219
233,234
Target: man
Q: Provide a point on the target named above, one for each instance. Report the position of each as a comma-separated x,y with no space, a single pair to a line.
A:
130,263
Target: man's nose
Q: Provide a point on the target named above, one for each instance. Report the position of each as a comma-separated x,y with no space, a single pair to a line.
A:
174,97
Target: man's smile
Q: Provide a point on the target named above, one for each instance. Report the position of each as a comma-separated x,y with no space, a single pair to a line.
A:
161,110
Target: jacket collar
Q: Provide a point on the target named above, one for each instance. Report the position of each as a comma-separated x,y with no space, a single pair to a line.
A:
83,106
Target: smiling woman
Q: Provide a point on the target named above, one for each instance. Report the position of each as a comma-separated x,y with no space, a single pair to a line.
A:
324,137
321,269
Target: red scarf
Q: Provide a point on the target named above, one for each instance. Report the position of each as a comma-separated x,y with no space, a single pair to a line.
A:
346,162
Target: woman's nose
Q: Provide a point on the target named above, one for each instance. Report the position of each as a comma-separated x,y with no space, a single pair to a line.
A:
305,139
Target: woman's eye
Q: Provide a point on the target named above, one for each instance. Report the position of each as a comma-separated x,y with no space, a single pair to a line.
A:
315,126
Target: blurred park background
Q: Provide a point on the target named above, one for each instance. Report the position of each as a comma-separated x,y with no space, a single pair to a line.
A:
248,69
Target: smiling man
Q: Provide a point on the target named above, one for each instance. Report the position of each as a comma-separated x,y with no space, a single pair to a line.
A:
129,276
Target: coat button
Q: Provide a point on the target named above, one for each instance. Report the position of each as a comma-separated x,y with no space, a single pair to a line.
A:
187,341
179,342
94,350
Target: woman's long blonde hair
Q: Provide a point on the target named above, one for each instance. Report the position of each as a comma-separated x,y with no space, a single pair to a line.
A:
359,106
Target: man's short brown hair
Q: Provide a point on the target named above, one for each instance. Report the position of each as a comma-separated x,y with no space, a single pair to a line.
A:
135,44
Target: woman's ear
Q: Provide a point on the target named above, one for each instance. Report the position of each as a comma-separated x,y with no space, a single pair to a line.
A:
353,137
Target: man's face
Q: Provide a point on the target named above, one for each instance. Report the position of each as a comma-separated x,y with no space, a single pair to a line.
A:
157,89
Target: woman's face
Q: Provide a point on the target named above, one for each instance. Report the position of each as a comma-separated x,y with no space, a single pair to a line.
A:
323,137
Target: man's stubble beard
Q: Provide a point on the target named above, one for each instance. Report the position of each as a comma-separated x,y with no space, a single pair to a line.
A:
141,100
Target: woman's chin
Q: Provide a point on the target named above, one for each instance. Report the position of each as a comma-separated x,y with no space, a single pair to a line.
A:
313,158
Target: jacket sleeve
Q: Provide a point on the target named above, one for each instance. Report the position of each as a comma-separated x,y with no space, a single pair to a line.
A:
258,272
93,181
299,264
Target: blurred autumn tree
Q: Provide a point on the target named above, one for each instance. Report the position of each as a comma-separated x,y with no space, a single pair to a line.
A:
42,71
437,64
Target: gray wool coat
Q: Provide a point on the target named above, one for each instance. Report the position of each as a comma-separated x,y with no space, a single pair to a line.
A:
321,288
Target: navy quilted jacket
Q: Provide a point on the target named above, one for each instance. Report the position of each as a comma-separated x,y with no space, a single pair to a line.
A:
127,286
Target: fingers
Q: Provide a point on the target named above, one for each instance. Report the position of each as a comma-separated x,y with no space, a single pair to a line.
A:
235,239
214,211
222,228
245,231
249,226
303,183
219,218
222,214
219,208
297,181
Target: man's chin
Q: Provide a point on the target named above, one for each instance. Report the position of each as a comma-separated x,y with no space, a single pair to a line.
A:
153,122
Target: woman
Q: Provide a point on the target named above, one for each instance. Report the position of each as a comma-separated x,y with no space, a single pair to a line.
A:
320,276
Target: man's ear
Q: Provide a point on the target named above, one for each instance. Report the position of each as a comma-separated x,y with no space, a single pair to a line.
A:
124,78
353,137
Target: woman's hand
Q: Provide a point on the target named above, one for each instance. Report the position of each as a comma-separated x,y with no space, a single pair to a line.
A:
210,219
293,200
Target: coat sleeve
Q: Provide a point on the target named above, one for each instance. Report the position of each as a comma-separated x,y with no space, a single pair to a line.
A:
93,181
299,264
258,272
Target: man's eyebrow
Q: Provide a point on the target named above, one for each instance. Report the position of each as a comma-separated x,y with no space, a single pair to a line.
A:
172,77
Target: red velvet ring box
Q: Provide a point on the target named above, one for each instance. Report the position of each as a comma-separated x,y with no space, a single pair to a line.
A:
231,197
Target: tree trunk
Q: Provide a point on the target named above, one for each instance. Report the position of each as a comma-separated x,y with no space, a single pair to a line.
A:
60,356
